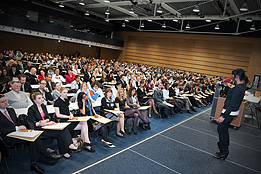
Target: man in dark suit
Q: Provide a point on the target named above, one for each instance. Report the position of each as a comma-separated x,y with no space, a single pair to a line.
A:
158,99
31,76
123,83
9,123
87,73
49,83
13,72
47,96
25,86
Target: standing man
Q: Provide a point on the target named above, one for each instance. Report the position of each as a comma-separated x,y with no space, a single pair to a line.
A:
230,111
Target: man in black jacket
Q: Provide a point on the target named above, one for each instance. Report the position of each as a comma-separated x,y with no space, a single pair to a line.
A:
48,98
25,86
9,123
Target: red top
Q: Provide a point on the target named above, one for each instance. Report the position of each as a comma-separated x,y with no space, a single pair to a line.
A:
41,77
69,79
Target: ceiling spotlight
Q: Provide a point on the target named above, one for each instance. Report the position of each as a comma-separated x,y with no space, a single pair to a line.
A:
159,9
107,12
61,5
123,24
149,20
217,27
208,20
51,21
126,20
164,25
81,3
244,7
131,11
196,9
27,15
175,20
107,20
71,26
253,28
87,13
58,40
142,25
106,1
249,19
187,26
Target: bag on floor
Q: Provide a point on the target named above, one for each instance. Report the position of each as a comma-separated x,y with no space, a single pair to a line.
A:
78,142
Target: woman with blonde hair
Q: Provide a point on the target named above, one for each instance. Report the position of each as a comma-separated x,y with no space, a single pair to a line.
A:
62,111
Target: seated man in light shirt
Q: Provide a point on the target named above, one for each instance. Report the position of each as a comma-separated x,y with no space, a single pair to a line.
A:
56,77
16,98
76,83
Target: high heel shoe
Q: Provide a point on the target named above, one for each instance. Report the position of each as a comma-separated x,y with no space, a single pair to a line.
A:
120,135
107,143
88,147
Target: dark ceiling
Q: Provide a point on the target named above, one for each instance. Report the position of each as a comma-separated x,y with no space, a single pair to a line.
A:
176,15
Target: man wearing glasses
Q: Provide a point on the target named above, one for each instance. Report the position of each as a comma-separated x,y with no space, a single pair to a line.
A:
47,96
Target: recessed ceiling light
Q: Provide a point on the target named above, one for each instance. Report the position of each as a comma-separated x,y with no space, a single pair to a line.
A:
253,28
244,7
217,27
175,20
164,25
126,20
149,20
123,24
187,26
208,20
131,11
107,20
249,19
107,1
81,3
61,5
159,10
196,9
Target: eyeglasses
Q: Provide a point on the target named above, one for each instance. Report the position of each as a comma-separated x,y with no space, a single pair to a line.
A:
43,83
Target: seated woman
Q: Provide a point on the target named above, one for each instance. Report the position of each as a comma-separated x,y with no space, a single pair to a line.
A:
121,104
108,103
84,88
133,102
142,93
62,111
42,74
56,93
69,78
38,117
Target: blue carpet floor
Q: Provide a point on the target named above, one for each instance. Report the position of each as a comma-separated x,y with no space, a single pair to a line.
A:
19,161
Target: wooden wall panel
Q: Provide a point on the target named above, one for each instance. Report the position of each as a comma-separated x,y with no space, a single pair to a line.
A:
209,54
36,44
109,54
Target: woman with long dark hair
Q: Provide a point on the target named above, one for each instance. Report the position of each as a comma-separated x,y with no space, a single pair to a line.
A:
230,111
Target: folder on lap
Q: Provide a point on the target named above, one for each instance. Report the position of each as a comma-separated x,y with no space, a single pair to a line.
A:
101,119
29,135
114,111
170,105
85,118
144,107
56,126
